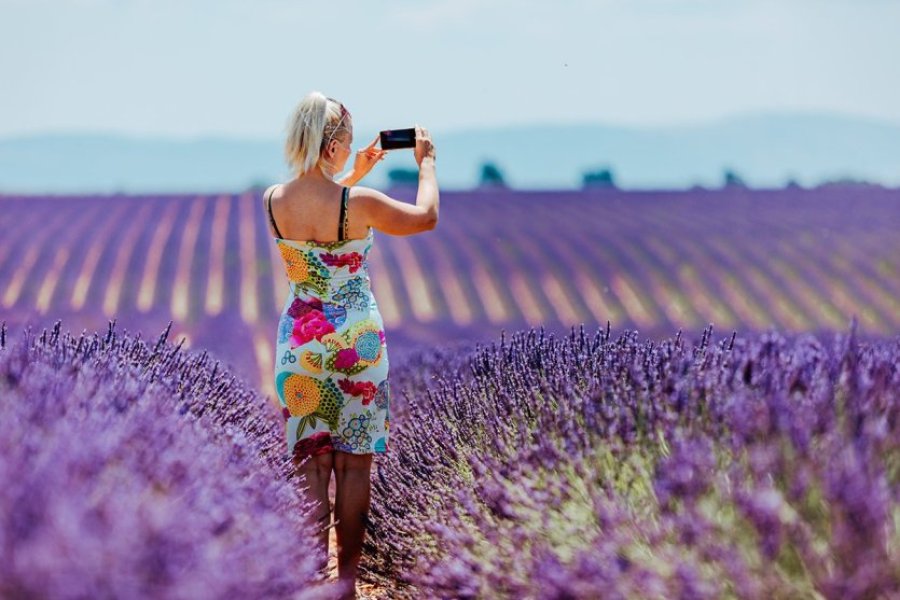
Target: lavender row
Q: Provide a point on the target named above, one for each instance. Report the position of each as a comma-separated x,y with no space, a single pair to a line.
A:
137,470
584,466
799,260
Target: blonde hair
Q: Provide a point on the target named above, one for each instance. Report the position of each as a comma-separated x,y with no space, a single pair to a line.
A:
315,121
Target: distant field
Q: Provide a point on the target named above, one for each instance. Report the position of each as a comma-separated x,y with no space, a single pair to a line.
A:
651,261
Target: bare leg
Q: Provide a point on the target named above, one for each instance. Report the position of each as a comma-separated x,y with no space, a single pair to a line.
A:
351,508
317,470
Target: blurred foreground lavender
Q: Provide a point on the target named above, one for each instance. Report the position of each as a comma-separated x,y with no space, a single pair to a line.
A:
586,467
579,466
135,470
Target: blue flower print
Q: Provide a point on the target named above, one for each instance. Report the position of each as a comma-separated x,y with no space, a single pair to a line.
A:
285,327
368,345
356,432
351,295
335,313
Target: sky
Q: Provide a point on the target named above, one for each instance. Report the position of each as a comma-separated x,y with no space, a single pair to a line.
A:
192,68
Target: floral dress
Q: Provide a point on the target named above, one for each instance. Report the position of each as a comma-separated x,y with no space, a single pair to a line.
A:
331,363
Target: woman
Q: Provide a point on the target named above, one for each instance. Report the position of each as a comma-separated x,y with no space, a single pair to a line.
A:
331,362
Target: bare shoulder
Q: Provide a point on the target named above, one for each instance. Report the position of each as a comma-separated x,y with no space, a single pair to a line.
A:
371,202
270,190
368,196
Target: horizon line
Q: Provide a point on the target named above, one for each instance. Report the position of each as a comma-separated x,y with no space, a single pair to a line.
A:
464,129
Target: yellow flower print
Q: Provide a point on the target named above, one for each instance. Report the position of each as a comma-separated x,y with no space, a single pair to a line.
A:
294,262
301,393
311,361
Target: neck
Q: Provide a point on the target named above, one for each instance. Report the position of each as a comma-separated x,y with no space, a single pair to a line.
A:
321,172
328,171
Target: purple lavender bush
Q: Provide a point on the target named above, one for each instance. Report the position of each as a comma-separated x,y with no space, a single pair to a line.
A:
136,470
585,466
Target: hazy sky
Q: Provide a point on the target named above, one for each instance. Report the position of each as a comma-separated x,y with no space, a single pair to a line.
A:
237,67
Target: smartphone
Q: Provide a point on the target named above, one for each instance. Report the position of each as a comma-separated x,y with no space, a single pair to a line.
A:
391,139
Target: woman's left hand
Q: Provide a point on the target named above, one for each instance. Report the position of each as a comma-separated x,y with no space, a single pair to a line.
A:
367,157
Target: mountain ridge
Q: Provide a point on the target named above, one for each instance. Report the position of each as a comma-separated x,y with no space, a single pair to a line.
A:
765,149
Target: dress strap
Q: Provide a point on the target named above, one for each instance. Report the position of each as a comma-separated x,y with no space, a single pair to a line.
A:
342,225
269,208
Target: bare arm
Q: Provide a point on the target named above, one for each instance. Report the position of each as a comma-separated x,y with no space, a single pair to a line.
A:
428,196
400,218
365,160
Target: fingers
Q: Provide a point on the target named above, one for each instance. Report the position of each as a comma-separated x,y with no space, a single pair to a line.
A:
372,153
375,141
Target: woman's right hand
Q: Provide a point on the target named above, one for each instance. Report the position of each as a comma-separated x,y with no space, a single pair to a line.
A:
424,146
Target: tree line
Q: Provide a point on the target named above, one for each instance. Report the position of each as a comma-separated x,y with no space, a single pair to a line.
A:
491,175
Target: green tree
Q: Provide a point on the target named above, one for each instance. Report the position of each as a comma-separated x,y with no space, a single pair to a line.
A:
403,177
491,175
601,178
732,179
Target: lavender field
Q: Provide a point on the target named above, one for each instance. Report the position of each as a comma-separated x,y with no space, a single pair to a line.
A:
580,466
655,262
135,470
565,422
588,466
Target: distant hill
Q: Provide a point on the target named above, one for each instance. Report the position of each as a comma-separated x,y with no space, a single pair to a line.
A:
766,150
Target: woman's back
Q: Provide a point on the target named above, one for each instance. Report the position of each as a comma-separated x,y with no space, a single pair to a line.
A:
307,208
311,210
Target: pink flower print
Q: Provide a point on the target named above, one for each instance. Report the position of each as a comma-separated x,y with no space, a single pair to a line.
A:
300,307
381,335
366,389
345,358
311,325
349,259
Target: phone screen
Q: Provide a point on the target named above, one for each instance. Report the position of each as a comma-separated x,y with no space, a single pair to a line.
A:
391,139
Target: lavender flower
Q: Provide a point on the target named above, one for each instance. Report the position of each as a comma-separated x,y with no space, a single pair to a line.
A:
131,472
